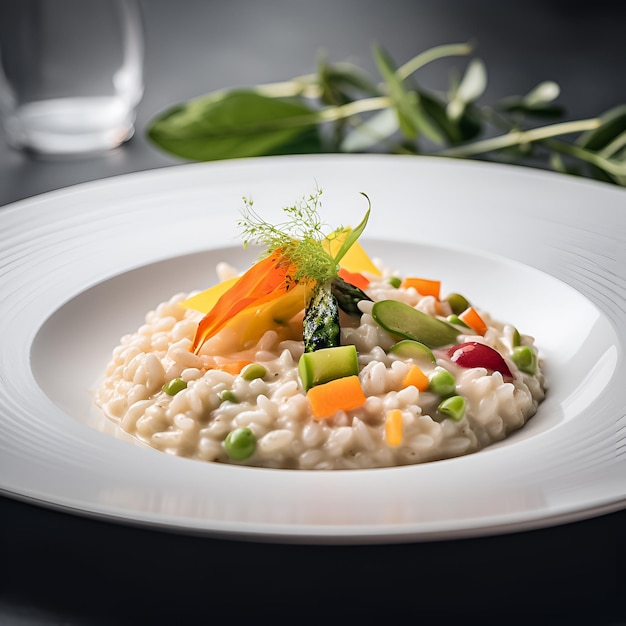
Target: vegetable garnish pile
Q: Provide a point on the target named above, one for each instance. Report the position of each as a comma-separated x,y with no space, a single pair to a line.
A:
300,258
319,357
298,254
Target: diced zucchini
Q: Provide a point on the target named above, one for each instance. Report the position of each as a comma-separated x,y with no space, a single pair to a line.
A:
327,364
411,349
455,319
402,320
457,302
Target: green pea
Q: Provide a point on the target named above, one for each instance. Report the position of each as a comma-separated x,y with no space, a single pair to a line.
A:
442,382
174,386
252,371
240,444
394,281
457,302
453,407
525,359
455,319
227,396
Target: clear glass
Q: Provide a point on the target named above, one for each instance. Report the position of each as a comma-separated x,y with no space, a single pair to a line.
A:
71,73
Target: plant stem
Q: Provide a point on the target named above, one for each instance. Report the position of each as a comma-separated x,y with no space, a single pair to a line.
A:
305,85
611,167
438,52
614,147
515,138
364,105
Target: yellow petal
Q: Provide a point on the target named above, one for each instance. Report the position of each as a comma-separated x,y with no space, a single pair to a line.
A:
355,260
252,323
205,300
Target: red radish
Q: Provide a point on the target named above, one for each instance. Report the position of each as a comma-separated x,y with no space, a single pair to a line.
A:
474,354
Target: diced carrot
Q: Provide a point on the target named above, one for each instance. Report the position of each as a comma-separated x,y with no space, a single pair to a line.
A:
340,394
423,286
473,319
233,367
416,377
393,427
354,278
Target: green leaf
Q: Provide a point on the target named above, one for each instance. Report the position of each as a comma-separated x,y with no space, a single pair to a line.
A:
343,82
471,87
466,128
377,128
620,154
613,124
411,116
597,173
515,104
558,164
239,123
340,108
543,93
470,125
397,92
436,110
538,102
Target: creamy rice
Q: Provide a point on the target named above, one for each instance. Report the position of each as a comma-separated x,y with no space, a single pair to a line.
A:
194,423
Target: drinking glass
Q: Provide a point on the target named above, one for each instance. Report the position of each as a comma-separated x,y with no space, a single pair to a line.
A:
71,74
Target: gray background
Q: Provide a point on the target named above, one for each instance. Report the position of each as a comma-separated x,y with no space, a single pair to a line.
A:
194,47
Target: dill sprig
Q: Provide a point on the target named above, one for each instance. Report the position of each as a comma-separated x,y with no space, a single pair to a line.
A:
299,238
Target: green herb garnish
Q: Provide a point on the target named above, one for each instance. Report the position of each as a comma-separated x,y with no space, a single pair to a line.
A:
294,253
342,109
300,237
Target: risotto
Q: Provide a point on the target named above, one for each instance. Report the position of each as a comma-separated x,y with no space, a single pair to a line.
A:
409,377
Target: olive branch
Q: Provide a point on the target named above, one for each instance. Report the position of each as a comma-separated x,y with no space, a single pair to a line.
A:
342,108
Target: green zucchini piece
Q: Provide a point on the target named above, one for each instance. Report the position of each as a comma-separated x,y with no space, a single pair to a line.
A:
402,320
327,364
457,302
455,319
321,320
411,349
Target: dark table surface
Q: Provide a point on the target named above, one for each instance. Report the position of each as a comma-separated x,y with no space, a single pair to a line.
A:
61,568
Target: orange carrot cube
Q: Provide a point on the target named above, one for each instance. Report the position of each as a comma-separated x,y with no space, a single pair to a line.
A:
423,286
416,377
393,427
473,319
340,394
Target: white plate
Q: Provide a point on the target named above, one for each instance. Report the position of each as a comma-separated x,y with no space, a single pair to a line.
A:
81,266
